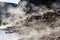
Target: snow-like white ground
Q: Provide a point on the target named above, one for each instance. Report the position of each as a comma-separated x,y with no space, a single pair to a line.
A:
4,36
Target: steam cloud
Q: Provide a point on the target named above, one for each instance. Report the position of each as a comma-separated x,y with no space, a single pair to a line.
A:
28,21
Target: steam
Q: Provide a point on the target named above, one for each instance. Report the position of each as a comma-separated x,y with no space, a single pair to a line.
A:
23,21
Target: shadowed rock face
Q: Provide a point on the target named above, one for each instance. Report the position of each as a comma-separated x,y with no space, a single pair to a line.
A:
38,3
41,2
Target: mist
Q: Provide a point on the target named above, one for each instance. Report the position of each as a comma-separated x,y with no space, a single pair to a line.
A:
33,20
